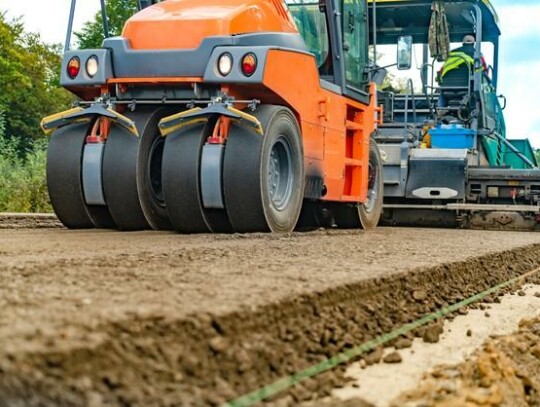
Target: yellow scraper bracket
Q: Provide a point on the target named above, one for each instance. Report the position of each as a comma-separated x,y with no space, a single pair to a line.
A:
189,117
80,115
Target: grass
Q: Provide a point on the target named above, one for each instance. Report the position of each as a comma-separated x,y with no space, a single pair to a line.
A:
23,185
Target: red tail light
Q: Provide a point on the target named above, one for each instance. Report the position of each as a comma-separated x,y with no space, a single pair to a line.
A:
73,67
249,64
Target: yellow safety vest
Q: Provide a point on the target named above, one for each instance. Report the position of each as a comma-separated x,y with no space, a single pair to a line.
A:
455,60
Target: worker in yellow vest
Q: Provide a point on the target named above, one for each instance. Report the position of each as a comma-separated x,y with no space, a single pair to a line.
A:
459,67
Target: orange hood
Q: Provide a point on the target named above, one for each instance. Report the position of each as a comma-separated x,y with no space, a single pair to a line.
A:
183,24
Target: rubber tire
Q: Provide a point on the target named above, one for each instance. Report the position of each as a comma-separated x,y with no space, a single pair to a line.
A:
245,173
181,179
120,179
370,220
147,124
64,180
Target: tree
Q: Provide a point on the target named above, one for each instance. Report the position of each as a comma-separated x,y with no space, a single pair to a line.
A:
118,11
537,153
29,82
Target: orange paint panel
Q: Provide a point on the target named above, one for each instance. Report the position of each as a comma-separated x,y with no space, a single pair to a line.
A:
334,161
294,76
340,125
183,24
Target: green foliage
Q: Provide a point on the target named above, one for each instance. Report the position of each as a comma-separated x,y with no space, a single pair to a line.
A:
537,153
23,187
29,82
118,11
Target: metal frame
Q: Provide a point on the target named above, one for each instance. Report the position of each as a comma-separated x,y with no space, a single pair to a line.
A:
67,45
335,30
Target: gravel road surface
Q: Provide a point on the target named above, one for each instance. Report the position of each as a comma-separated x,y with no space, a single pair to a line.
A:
153,318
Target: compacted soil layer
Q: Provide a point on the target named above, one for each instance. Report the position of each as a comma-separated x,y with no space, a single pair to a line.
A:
504,373
105,318
28,221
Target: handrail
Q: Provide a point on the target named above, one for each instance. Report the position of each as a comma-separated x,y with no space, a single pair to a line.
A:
410,91
67,45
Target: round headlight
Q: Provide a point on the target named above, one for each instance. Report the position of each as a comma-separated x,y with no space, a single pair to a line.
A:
73,67
225,64
92,66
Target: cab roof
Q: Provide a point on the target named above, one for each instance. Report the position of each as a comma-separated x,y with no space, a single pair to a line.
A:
412,17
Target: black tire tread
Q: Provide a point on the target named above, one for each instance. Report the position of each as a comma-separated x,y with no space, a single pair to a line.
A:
243,175
64,180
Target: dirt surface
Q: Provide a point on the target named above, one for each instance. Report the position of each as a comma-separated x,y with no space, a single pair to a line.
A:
462,337
107,318
28,221
504,373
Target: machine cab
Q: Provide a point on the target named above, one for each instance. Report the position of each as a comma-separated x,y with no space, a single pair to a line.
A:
340,45
451,85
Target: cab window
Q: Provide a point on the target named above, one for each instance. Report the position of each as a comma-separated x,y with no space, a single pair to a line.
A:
354,26
311,24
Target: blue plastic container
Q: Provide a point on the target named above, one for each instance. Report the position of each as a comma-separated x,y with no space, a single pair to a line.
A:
452,136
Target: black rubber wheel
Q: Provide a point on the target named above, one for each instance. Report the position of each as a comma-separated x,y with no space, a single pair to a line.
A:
264,175
149,166
181,182
120,179
370,211
64,180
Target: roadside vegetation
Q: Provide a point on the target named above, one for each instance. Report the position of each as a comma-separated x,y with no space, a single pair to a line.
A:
30,90
23,186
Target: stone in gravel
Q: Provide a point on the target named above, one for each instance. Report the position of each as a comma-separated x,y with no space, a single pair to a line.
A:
487,314
403,343
419,295
535,351
374,357
432,333
392,358
463,311
469,332
300,393
218,344
522,293
537,295
419,332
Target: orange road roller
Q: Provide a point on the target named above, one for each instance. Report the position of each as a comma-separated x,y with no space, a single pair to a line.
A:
221,116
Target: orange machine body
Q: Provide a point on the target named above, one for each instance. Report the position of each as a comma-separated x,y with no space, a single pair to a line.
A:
335,129
181,24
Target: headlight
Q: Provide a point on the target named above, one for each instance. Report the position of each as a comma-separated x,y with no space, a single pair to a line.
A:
92,66
225,64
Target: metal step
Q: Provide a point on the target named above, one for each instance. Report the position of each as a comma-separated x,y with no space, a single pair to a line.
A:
503,174
469,207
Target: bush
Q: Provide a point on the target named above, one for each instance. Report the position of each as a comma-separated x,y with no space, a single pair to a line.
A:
23,186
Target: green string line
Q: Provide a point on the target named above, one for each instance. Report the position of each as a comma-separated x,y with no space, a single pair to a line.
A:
287,382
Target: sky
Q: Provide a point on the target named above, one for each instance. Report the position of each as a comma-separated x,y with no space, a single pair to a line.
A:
519,64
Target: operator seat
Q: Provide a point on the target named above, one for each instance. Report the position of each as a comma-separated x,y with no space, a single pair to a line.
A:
456,86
